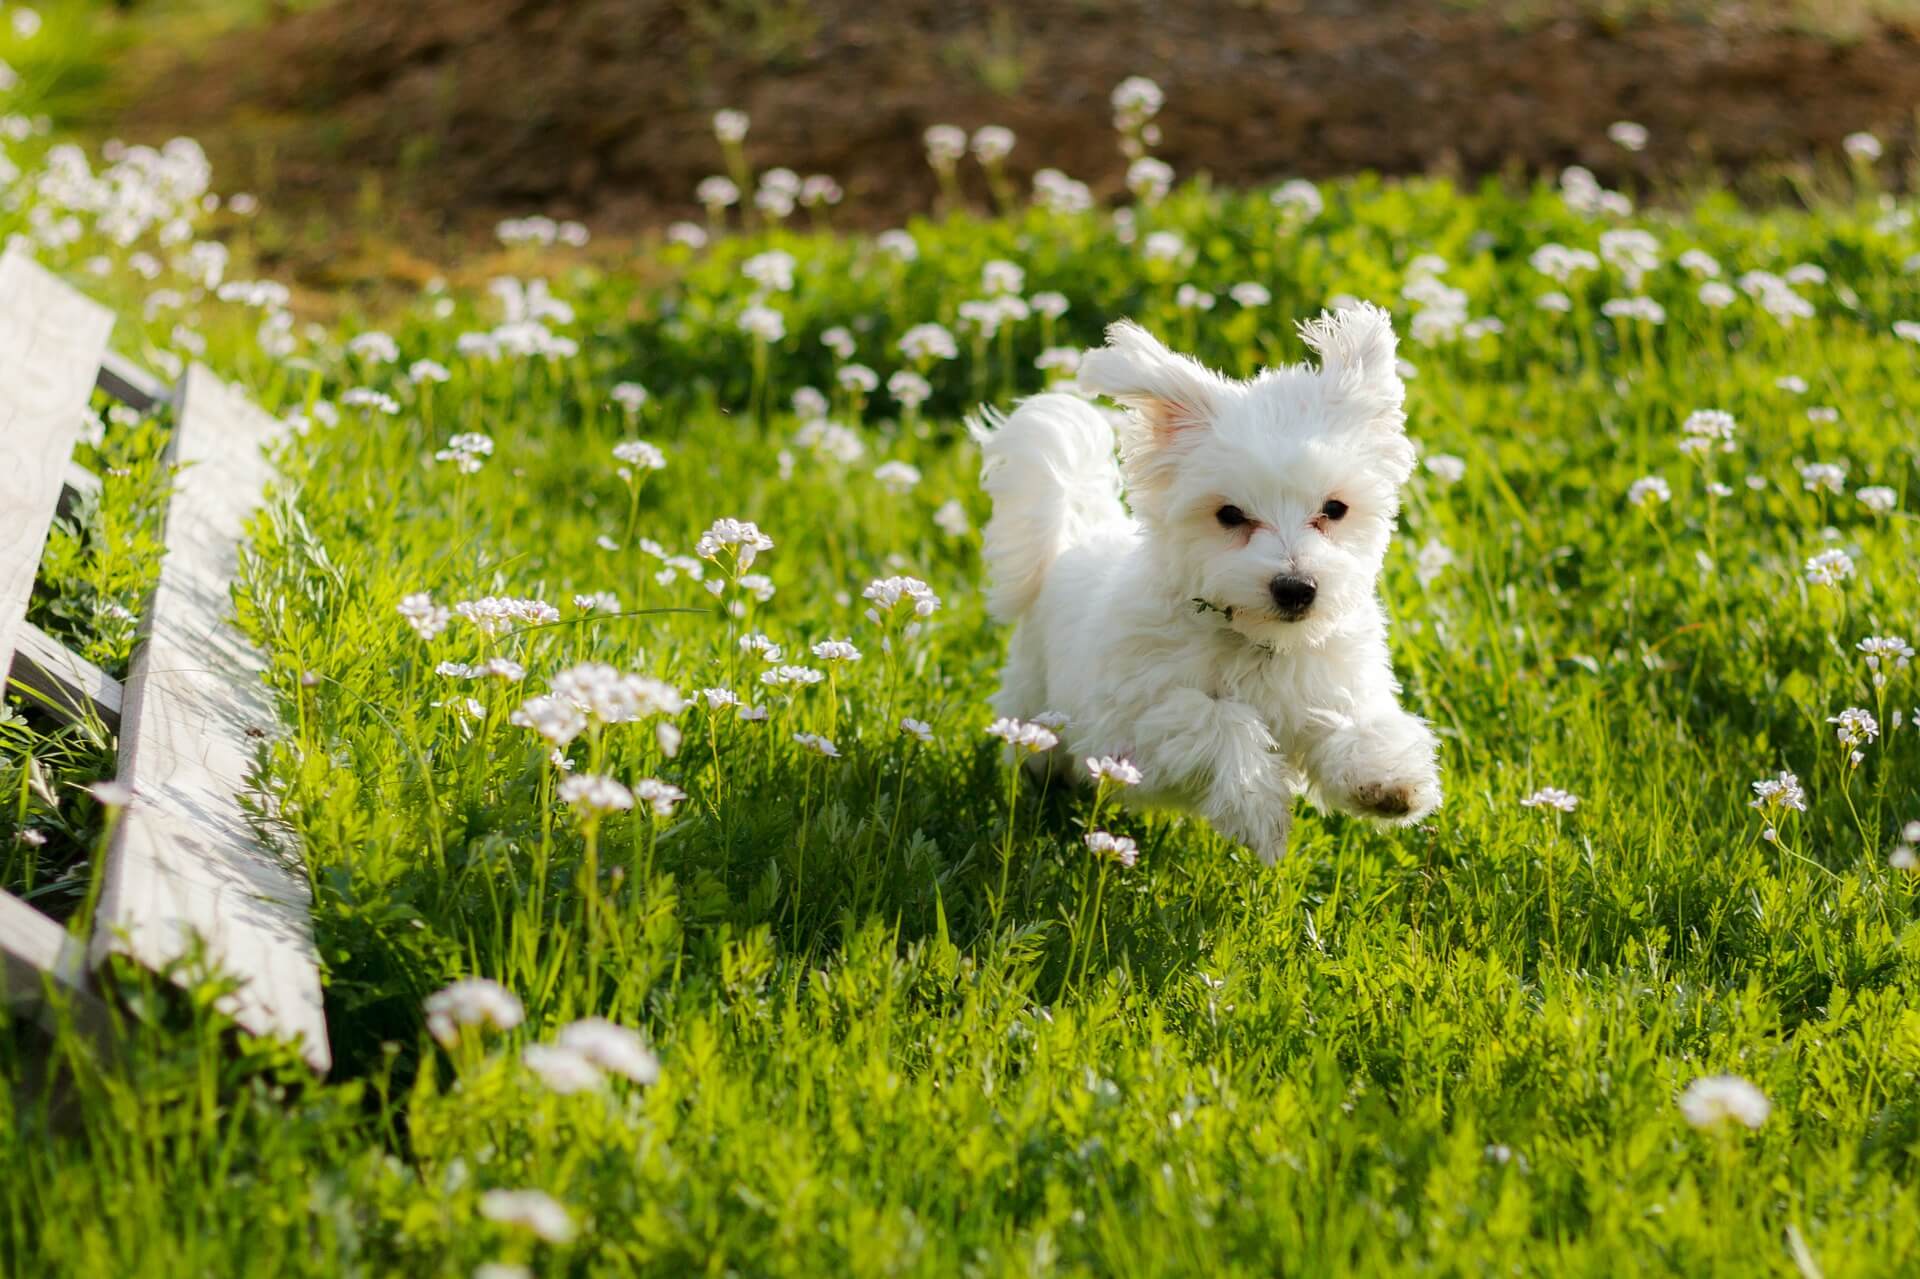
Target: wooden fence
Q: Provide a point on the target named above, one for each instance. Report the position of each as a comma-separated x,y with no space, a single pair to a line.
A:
190,882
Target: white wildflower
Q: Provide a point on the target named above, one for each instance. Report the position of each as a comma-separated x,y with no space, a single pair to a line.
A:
1116,848
1712,1101
1551,797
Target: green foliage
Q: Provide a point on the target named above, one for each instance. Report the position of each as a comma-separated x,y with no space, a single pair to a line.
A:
895,1035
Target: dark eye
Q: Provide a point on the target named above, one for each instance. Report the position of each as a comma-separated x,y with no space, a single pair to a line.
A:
1230,516
1335,509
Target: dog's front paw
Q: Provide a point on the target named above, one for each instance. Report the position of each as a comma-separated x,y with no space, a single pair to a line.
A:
1401,800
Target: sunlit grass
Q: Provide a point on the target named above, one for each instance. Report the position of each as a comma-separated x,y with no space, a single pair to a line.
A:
905,1025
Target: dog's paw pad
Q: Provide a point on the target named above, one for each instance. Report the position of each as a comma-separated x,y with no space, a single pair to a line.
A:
1384,799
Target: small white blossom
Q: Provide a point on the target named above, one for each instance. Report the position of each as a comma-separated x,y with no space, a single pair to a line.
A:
743,536
1707,429
1862,146
1855,727
1648,491
1830,567
992,143
611,1047
817,744
1817,477
798,676
1878,498
425,617
1024,735
472,1001
1116,848
661,798
888,593
1782,791
374,347
640,455
1298,199
951,518
595,795
897,477
945,144
562,1070
531,1210
929,342
763,323
1551,797
467,451
1715,1100
557,719
1106,768
1627,135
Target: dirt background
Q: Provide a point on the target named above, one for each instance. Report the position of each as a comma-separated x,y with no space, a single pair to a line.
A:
464,110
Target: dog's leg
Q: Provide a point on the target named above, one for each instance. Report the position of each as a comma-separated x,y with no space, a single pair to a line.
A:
1221,754
1377,762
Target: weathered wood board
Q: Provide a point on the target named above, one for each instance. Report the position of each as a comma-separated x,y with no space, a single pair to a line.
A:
51,341
36,953
61,681
187,872
130,384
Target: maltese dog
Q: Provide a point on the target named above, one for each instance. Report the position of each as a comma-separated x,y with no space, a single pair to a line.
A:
1220,629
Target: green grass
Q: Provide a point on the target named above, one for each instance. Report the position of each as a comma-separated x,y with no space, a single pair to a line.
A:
1453,1049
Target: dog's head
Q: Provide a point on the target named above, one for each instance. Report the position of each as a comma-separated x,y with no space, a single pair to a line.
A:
1273,498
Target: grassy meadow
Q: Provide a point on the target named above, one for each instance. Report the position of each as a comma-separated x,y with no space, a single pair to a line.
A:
872,1008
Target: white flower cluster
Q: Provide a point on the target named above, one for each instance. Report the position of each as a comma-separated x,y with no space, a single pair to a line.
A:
1120,849
1885,654
472,1001
494,615
1779,792
1855,727
743,537
608,696
595,795
887,594
1551,797
467,451
1706,430
1024,735
1830,567
929,341
581,1056
640,455
425,617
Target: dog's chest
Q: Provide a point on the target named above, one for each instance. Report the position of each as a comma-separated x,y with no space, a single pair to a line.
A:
1283,687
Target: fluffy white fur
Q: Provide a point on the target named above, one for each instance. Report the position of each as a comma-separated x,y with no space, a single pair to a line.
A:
1158,632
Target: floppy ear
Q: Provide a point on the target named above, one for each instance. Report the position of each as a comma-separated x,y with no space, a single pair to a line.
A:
1172,393
1357,353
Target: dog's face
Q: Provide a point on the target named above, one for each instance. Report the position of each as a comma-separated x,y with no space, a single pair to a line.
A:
1272,499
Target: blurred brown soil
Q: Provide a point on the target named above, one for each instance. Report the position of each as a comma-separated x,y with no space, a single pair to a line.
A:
601,108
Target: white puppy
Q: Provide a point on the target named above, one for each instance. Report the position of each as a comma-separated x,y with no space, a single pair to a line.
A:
1225,634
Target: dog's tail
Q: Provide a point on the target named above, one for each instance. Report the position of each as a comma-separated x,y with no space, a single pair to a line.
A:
1051,473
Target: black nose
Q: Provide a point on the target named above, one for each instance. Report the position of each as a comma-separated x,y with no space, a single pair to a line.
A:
1293,596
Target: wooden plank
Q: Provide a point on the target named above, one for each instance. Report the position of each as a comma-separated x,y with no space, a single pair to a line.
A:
51,341
37,955
76,485
187,872
130,384
58,679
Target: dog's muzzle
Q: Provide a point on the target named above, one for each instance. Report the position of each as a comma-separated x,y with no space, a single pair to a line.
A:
1292,596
